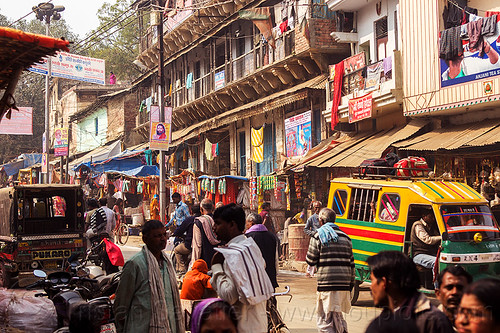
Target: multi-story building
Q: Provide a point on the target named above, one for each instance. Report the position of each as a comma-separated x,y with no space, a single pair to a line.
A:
452,78
225,79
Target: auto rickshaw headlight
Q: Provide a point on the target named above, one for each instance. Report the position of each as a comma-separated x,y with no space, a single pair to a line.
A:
478,238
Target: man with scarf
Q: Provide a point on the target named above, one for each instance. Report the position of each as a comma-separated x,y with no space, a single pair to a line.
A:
147,298
330,249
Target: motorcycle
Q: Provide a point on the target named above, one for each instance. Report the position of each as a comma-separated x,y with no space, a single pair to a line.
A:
67,292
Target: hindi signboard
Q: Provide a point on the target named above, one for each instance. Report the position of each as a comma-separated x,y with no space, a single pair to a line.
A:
220,79
298,134
360,108
61,142
73,66
20,122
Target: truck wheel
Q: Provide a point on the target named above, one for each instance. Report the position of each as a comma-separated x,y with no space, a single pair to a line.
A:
355,292
4,276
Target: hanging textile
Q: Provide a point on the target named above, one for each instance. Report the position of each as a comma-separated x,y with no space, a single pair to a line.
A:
208,150
148,154
253,193
257,139
215,149
140,186
337,92
189,81
212,186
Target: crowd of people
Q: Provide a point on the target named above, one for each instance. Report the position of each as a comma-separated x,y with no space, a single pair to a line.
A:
242,251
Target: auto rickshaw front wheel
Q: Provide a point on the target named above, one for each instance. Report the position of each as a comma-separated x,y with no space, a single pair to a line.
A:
355,292
4,276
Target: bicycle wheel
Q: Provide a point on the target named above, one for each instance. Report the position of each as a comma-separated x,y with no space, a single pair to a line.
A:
122,235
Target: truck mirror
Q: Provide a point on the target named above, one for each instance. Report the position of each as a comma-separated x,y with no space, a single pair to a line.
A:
444,236
39,273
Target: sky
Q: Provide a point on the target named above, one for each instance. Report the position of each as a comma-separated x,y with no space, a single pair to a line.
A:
81,15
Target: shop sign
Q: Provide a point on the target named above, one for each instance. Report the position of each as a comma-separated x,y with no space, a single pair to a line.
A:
470,65
354,63
298,134
360,108
73,66
220,79
61,142
20,122
159,136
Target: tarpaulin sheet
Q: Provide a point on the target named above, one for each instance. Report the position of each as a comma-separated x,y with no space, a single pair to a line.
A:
142,171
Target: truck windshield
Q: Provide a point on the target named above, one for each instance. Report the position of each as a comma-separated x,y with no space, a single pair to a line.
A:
463,222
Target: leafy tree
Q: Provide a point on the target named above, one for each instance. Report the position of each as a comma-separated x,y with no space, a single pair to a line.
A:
116,39
30,91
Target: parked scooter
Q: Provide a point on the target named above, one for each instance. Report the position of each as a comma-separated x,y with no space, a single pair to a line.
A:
67,292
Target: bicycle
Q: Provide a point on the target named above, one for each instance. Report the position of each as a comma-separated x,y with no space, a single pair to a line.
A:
121,232
274,320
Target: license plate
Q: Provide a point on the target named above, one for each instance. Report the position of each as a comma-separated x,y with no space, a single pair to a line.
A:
108,328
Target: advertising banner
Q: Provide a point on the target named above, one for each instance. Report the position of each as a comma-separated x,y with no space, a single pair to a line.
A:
354,63
479,60
298,134
159,136
73,66
20,122
220,80
61,142
360,108
45,163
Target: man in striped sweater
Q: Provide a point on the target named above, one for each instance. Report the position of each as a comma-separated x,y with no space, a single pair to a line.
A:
330,250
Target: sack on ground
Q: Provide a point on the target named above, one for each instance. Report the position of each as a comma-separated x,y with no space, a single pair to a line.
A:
20,310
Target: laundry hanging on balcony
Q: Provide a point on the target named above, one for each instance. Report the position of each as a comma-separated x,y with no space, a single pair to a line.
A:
209,150
189,81
257,139
261,17
337,92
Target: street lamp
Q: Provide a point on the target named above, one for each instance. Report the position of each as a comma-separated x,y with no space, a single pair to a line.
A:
45,12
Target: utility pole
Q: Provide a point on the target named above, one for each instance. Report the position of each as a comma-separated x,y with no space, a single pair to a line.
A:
161,105
44,12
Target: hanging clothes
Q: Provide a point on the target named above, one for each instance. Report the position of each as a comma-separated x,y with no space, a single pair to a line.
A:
337,92
257,138
215,149
148,154
489,26
140,186
476,41
208,150
450,44
453,15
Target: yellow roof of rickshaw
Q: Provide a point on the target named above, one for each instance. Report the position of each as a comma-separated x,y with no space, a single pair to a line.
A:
436,191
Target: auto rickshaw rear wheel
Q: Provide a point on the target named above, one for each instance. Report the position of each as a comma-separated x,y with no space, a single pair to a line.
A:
4,276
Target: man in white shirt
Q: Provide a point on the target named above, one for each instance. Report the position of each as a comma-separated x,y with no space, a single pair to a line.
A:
239,275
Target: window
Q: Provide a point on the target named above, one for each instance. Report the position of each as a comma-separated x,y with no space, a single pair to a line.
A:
267,166
96,123
381,37
317,127
463,222
389,207
243,156
363,203
339,202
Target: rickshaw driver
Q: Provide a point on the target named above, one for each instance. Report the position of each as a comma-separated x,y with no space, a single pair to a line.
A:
425,239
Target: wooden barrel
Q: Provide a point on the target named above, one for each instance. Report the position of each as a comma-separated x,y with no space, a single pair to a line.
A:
298,242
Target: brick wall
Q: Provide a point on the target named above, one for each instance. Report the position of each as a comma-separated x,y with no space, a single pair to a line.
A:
116,118
319,35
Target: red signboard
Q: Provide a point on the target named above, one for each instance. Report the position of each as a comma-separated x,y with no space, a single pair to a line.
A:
360,108
20,122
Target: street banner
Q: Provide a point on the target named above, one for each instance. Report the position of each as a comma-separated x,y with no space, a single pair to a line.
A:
61,142
44,147
20,122
45,163
73,66
159,136
298,134
360,108
465,60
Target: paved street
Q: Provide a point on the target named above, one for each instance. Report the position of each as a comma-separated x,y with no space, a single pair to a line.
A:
299,313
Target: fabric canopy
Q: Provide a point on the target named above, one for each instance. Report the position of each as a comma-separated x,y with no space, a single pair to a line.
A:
227,176
142,171
97,155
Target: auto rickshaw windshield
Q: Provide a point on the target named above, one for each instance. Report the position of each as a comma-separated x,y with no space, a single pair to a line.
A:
464,221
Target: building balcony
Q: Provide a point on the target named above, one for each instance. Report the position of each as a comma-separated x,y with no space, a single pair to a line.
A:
386,89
